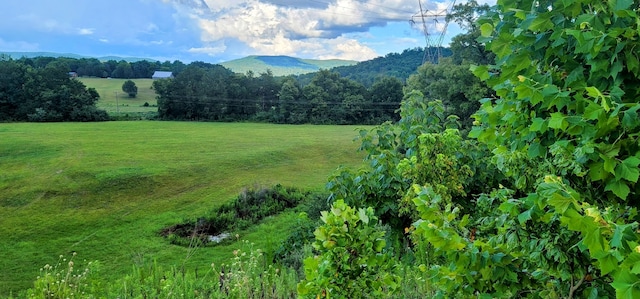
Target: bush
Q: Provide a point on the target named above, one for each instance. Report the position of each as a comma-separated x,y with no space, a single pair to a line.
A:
251,206
352,261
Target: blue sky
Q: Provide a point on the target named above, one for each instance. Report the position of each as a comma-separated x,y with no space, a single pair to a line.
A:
217,30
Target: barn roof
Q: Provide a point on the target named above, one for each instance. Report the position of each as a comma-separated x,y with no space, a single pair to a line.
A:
162,75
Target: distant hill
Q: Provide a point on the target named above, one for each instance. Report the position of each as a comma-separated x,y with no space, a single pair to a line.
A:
399,65
282,65
18,55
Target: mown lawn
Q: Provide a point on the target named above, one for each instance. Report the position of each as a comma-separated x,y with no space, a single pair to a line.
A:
109,89
104,190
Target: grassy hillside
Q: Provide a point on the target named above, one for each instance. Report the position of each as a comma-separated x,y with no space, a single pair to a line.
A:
109,88
282,65
104,190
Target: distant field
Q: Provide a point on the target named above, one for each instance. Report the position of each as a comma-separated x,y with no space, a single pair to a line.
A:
104,190
110,88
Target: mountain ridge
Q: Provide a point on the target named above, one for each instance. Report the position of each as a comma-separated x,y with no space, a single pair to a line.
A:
18,55
282,65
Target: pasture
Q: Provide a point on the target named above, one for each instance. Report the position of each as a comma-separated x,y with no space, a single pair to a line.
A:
110,88
105,190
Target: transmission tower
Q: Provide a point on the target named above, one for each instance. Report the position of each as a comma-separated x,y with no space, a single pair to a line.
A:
433,42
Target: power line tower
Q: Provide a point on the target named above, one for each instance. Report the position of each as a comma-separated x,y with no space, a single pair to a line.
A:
433,42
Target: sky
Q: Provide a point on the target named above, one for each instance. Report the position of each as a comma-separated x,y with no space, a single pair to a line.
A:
221,30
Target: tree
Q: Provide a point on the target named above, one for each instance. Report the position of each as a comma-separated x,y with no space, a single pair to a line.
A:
386,95
130,88
465,46
454,84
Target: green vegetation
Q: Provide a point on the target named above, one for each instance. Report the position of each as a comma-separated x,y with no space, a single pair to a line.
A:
109,89
106,190
45,94
206,92
541,199
353,263
249,208
130,88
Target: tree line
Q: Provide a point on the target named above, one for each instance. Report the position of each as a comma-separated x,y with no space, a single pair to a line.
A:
208,92
92,67
45,93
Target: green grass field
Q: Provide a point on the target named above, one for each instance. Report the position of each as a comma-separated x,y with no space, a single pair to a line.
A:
104,190
110,88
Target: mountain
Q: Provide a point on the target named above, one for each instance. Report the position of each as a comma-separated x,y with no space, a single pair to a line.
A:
282,65
398,65
18,55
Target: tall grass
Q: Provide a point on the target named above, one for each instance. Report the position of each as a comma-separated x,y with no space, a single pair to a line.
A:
105,190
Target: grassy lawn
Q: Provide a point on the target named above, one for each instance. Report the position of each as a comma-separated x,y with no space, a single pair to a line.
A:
104,190
110,88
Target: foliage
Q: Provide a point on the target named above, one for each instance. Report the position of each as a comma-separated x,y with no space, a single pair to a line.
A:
392,65
458,89
568,103
208,92
251,206
130,88
379,183
45,94
245,275
465,46
63,281
352,262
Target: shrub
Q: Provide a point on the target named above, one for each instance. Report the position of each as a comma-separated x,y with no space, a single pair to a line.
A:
251,206
352,261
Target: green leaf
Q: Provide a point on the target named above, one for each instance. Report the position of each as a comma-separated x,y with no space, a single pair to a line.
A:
480,71
607,264
475,132
593,92
561,203
486,29
535,150
593,111
362,214
558,121
540,23
628,169
630,120
622,4
620,233
625,285
618,188
524,216
537,125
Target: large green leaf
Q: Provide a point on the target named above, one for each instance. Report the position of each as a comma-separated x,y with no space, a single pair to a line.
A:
628,169
618,188
558,121
627,285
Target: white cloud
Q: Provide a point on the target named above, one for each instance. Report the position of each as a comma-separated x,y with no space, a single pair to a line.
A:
319,29
85,31
211,51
